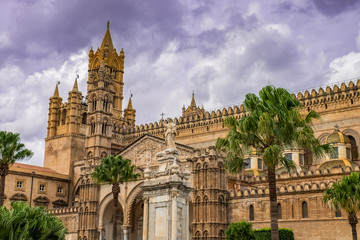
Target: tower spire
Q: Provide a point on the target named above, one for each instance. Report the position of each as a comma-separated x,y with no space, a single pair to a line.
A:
75,87
193,102
56,92
107,40
130,104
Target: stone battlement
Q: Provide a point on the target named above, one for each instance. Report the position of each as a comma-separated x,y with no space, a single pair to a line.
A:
291,183
64,210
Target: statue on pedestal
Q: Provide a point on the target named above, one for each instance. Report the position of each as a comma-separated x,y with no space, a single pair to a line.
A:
170,134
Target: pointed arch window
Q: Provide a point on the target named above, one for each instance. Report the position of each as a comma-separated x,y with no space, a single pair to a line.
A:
92,127
304,207
279,211
106,103
63,117
251,213
84,118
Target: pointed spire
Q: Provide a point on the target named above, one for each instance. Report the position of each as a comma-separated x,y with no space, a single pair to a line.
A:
129,104
56,92
107,40
75,88
193,102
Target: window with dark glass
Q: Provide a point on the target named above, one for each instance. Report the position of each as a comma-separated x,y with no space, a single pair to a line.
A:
335,153
279,211
248,163
260,164
305,210
19,184
301,159
348,153
338,212
251,213
288,156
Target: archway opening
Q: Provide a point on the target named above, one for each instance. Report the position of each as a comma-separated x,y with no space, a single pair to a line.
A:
111,214
137,213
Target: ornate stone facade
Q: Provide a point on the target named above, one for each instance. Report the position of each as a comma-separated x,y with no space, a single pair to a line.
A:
80,133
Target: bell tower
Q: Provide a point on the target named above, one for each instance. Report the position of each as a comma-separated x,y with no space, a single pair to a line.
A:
104,99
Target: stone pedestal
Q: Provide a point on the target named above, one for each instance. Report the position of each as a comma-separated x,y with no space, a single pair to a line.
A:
166,195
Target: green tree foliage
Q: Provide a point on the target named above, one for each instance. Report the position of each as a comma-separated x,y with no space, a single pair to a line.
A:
272,123
114,171
265,234
240,231
11,150
345,194
23,222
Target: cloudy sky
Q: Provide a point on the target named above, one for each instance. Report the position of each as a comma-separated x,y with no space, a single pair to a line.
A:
220,49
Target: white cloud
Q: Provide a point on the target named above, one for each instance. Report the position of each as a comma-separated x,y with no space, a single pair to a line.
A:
24,99
345,68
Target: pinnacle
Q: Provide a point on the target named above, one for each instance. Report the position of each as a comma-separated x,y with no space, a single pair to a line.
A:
107,40
75,88
129,104
193,102
56,92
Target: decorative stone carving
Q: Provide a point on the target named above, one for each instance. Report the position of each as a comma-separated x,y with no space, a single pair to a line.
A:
170,134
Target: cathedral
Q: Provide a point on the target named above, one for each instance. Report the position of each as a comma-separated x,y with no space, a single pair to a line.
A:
183,191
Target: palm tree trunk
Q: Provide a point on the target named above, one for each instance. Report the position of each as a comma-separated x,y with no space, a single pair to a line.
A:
273,203
4,170
115,192
353,221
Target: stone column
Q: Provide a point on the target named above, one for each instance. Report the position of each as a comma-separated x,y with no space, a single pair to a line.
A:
126,230
174,216
146,218
187,216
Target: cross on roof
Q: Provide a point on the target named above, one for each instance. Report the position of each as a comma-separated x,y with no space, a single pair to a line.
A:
162,116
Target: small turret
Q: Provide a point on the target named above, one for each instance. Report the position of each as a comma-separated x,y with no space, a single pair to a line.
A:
54,115
74,102
192,109
129,114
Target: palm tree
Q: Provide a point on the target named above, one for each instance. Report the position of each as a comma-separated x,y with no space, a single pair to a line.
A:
11,150
114,171
272,123
346,194
23,222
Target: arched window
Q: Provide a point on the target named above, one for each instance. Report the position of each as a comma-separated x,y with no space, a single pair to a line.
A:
304,207
92,127
63,117
279,211
221,235
251,213
205,208
221,204
206,235
104,127
197,235
84,118
197,209
93,103
354,152
338,212
106,103
205,172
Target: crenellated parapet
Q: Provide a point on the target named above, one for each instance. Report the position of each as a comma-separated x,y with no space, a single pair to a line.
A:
62,211
290,183
204,122
324,99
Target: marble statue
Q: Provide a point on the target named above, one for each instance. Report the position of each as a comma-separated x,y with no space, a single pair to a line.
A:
170,134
